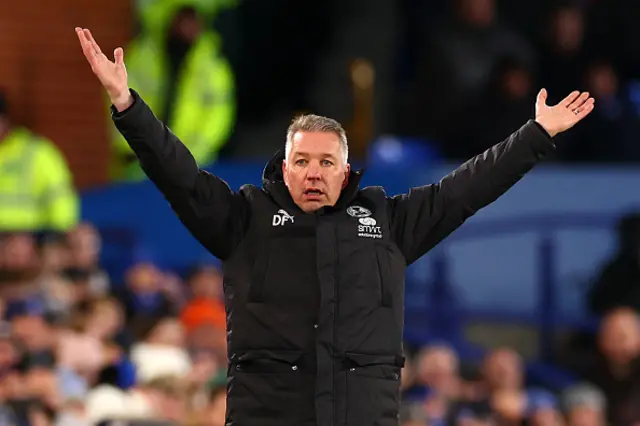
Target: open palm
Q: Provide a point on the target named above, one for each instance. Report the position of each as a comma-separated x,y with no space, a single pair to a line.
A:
112,74
566,114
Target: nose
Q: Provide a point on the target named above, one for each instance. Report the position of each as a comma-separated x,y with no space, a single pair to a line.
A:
313,172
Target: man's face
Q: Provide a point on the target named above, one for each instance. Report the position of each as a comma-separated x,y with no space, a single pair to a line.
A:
620,337
503,370
585,416
315,171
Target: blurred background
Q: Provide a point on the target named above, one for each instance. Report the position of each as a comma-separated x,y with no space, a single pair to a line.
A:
526,315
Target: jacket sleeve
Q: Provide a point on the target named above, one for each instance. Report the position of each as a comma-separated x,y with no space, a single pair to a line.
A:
428,214
211,211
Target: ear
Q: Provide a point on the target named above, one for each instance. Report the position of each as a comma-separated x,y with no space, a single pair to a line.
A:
347,171
284,171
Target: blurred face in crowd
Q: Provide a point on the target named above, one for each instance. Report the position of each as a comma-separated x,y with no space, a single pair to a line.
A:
55,257
517,83
216,409
407,377
315,170
438,368
106,319
207,283
85,245
602,80
18,252
208,337
33,332
568,29
620,337
585,416
42,384
509,404
168,332
479,13
8,356
144,278
186,25
546,417
503,370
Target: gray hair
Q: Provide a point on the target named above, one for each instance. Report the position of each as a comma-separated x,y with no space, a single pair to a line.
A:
583,394
317,123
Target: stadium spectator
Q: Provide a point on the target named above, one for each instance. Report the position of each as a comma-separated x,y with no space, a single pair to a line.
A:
584,405
616,286
145,297
508,95
206,305
616,370
456,67
179,68
37,193
562,50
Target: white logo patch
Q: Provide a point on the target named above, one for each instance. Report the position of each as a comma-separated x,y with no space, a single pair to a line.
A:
368,228
369,221
282,217
357,211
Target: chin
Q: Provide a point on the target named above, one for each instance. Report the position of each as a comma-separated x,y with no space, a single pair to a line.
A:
312,206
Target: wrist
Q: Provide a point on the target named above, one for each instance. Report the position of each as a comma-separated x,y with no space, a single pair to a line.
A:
549,131
122,101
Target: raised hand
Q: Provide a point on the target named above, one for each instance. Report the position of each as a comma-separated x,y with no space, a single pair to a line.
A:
563,116
112,74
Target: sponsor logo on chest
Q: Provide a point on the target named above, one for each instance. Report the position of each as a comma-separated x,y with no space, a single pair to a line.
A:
367,226
281,218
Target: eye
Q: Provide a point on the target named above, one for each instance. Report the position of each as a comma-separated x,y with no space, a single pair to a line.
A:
327,163
301,162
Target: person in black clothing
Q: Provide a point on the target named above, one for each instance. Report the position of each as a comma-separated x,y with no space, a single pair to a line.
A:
313,264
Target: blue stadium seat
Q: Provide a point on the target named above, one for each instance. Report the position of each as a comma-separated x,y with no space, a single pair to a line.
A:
390,151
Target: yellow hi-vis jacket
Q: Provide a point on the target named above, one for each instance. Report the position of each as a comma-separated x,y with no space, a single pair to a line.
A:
203,112
36,186
155,15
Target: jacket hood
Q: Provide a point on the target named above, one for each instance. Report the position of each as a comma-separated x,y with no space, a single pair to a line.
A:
273,182
272,171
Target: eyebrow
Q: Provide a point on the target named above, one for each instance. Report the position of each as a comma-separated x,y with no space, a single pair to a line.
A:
306,154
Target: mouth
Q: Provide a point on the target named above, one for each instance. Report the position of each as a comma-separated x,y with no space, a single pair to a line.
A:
313,194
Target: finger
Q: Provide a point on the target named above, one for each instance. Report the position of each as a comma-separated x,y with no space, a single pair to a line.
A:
118,55
84,43
585,109
542,98
88,51
569,99
93,43
577,103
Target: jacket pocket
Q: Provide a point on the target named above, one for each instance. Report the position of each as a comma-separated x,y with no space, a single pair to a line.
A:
373,389
267,387
383,262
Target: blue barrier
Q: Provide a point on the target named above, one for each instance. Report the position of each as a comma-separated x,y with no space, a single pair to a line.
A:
446,315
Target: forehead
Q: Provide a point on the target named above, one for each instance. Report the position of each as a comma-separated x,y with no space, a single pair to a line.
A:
316,143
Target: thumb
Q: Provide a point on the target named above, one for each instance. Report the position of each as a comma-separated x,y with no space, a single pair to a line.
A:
118,55
541,100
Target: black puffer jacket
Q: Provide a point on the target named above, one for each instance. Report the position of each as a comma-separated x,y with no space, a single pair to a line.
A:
315,301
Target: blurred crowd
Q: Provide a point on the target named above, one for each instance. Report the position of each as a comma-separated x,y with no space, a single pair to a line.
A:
79,349
481,63
441,389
